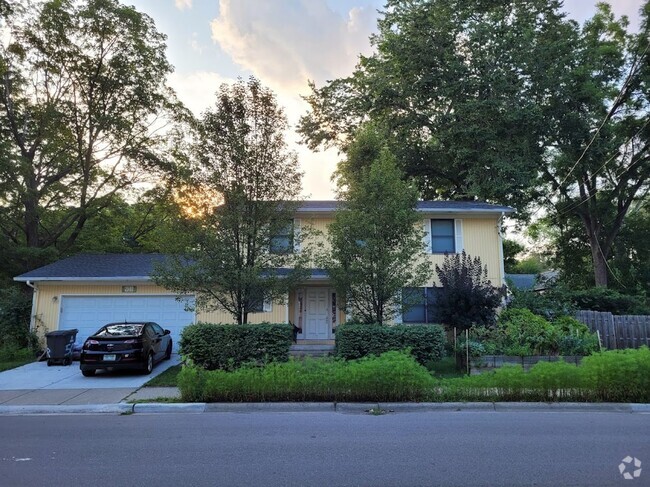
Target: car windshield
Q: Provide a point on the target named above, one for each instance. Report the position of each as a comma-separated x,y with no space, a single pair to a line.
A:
121,330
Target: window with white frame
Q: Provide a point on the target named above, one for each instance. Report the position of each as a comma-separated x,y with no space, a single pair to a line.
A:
282,242
443,236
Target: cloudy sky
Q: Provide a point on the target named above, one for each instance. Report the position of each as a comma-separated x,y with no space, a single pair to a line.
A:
284,43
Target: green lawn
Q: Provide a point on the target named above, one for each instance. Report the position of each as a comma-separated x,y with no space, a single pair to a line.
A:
166,379
12,364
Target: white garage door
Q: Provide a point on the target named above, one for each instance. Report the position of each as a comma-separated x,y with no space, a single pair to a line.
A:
89,313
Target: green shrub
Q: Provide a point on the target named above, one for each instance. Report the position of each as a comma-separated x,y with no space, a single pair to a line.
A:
550,304
527,334
576,337
619,375
606,299
466,296
393,376
426,342
15,310
522,333
612,376
218,346
12,352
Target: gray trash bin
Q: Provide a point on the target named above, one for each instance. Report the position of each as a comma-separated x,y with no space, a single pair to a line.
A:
60,344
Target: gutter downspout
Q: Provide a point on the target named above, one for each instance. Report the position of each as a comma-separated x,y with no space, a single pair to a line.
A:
32,317
501,264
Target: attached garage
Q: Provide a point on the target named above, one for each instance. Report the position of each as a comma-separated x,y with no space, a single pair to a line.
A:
88,313
87,291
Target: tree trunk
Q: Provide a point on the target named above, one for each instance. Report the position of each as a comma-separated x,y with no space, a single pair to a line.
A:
600,264
598,254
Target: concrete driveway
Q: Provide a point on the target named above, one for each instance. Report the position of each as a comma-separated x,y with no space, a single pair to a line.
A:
36,383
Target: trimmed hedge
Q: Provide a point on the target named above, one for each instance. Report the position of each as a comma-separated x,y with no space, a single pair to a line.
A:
218,346
394,376
426,342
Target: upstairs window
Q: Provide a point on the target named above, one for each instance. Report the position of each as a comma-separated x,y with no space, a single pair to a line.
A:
282,240
443,238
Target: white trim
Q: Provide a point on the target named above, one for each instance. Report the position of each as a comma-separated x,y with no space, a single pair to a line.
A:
502,269
459,245
297,229
433,211
32,317
426,238
83,279
397,317
286,310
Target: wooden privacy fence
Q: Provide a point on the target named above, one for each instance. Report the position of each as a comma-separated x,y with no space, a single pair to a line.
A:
624,331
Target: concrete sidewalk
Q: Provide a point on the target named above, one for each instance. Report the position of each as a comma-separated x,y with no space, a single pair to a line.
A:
61,397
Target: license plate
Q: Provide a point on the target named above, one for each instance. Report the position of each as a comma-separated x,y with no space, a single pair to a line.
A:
109,358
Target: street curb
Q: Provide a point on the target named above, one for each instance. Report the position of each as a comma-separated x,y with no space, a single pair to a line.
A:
174,407
564,406
120,408
345,408
270,407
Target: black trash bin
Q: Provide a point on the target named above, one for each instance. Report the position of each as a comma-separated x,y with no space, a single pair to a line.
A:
60,344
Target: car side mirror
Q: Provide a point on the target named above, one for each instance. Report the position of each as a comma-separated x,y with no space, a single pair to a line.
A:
167,332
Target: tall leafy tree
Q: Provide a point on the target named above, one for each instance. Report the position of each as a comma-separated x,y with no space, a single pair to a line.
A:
598,167
507,102
243,244
83,114
455,87
375,240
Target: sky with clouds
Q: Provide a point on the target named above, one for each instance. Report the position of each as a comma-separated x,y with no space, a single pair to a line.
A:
284,43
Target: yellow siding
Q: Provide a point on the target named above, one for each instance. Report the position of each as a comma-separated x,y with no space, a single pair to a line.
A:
315,234
480,239
276,315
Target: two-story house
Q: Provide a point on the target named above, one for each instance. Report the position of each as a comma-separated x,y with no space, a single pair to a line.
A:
87,291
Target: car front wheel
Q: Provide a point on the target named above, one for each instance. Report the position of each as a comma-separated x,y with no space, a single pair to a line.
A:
168,353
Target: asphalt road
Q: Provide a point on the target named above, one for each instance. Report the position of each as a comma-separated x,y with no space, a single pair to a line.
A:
329,449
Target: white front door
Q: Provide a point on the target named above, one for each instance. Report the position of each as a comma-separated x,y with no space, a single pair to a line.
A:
317,325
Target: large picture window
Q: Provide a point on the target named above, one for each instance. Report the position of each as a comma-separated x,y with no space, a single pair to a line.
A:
443,238
419,304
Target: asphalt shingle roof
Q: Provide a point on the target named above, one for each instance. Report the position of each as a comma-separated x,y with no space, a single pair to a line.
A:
442,206
110,267
97,266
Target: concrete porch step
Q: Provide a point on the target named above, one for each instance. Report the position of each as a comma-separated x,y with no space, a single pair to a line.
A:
312,350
